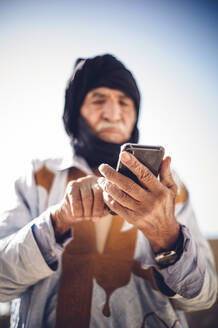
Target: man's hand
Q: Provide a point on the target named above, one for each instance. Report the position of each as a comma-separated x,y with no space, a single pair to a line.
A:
152,209
83,200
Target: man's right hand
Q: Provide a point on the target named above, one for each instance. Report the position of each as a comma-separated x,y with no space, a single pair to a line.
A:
83,200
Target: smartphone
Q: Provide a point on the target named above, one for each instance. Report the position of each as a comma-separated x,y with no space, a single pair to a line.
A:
150,156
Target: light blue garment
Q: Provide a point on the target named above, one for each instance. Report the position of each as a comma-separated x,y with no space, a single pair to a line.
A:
26,275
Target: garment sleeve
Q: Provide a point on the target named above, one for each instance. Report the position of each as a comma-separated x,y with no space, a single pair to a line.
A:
43,233
192,279
21,261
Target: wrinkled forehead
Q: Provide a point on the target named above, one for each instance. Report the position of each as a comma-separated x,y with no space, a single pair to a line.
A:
104,92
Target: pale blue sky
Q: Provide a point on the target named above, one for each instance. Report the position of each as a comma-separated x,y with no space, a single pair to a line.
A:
170,46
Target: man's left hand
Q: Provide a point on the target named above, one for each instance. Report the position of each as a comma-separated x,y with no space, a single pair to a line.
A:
152,209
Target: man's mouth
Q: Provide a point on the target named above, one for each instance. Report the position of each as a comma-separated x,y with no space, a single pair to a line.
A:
110,130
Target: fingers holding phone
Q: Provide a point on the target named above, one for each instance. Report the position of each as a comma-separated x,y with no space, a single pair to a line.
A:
122,192
144,175
150,209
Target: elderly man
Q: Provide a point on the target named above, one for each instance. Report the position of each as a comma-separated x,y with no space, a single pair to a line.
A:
65,260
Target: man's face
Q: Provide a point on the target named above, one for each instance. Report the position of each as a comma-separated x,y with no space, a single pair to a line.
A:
109,113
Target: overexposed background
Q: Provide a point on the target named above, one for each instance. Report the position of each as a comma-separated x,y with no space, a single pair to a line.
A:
171,48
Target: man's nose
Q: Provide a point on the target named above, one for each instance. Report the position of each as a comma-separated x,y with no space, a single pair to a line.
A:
112,111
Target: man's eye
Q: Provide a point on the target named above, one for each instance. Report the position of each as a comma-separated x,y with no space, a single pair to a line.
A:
123,103
98,102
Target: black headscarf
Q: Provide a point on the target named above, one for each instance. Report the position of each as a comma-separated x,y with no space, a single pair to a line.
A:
89,74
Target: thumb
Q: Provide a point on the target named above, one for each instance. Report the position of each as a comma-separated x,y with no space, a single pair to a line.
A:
166,176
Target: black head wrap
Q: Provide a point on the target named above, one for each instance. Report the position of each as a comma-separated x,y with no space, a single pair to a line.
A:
89,74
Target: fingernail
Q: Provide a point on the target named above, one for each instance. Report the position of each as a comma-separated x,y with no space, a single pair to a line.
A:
125,156
96,186
106,196
101,181
102,168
